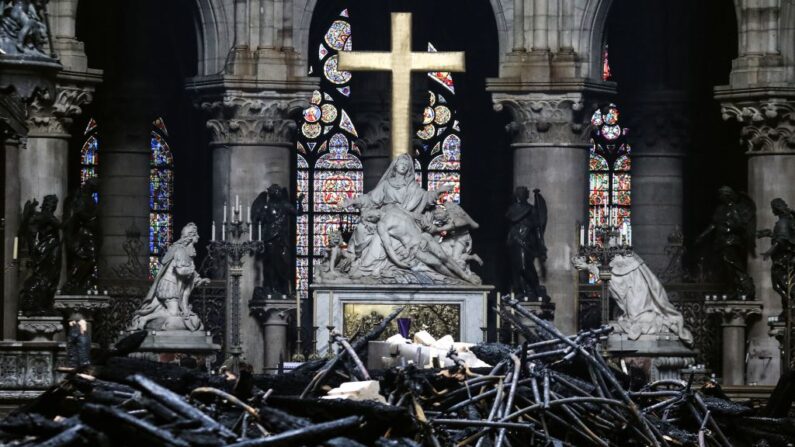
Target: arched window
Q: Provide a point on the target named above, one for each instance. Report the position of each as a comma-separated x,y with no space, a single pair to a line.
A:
161,195
328,168
89,154
439,157
610,181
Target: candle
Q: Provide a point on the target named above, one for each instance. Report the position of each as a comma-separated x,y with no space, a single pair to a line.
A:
260,231
248,213
298,314
223,231
224,211
16,248
250,232
212,232
485,312
499,300
237,203
582,235
330,311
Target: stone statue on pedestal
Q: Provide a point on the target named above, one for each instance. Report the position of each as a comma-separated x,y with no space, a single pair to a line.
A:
405,237
82,239
782,252
646,309
733,229
271,212
526,242
40,231
166,307
23,27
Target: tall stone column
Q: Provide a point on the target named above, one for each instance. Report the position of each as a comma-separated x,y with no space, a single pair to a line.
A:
658,127
768,130
124,176
734,318
550,152
252,142
43,164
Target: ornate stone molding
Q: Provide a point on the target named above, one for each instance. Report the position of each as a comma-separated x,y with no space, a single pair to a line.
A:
50,113
253,119
768,124
734,312
543,118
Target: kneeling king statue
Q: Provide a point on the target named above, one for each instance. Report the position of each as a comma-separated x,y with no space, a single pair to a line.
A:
166,306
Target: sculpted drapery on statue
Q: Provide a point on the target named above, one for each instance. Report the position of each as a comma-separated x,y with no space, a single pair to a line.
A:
526,242
641,297
82,238
272,211
166,306
782,252
397,240
41,232
733,231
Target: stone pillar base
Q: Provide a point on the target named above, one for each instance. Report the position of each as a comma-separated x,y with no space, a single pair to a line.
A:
274,316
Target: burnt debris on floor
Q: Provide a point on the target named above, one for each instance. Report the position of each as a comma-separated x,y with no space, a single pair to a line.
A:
553,390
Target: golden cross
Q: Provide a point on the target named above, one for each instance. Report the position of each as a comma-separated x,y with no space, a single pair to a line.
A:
401,62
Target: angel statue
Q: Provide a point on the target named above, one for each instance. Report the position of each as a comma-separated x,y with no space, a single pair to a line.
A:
166,306
782,252
82,238
526,242
451,224
733,231
271,212
41,232
641,297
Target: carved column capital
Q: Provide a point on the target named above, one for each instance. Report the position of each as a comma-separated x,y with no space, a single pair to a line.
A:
768,124
545,118
51,113
248,119
734,313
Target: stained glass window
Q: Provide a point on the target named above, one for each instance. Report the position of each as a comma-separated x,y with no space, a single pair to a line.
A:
610,180
328,168
606,73
161,195
439,155
89,154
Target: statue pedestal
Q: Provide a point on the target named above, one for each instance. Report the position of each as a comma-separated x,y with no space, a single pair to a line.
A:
39,328
734,318
28,368
661,356
86,305
172,346
340,306
274,315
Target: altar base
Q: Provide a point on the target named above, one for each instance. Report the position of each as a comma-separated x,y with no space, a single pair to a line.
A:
332,301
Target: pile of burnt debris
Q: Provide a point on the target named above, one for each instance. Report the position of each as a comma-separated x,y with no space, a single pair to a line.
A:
554,390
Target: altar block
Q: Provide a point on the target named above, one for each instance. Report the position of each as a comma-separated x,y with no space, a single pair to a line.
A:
330,301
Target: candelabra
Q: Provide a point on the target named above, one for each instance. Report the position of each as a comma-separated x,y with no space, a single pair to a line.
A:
602,245
232,249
